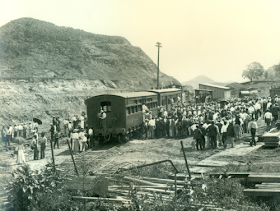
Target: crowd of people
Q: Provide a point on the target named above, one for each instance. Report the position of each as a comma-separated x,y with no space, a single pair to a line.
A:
24,130
74,128
211,124
215,123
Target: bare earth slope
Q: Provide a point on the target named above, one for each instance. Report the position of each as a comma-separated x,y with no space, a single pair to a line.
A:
45,68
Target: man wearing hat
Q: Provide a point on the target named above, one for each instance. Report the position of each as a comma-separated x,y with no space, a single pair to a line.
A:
197,135
52,130
253,128
213,132
275,110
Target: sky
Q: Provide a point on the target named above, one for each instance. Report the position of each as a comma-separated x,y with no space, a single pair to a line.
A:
215,38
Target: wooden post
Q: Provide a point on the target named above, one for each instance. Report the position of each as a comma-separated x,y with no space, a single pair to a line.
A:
186,160
53,157
159,46
70,150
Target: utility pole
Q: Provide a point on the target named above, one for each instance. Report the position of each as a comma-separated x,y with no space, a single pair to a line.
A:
159,46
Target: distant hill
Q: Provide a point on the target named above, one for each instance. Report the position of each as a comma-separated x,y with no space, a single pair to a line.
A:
31,48
201,79
46,70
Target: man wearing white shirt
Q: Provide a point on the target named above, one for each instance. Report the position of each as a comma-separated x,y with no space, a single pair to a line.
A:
152,126
257,108
9,135
251,111
268,119
269,105
224,132
65,126
82,120
91,140
20,130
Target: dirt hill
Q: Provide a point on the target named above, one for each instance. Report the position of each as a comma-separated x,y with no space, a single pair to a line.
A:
48,70
33,48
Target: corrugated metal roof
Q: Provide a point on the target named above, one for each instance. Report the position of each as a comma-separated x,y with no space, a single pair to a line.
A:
217,86
165,90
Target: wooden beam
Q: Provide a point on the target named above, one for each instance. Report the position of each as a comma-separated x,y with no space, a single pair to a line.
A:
142,182
100,199
163,181
261,192
157,190
232,174
264,178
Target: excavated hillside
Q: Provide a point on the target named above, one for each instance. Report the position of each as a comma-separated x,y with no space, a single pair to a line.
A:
48,70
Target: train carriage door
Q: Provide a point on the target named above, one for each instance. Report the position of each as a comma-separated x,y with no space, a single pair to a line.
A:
105,106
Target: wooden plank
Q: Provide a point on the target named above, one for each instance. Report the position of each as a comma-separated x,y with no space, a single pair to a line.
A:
261,192
163,181
268,185
264,178
273,184
142,182
100,199
179,176
157,190
182,176
232,174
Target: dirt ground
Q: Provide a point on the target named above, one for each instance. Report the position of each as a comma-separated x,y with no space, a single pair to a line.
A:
112,156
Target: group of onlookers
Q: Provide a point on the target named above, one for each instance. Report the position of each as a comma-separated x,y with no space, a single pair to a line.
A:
214,122
210,124
23,130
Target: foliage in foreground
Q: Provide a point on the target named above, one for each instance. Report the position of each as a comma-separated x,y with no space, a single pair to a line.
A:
45,190
34,190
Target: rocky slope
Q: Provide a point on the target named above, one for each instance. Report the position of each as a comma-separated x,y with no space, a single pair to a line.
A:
48,70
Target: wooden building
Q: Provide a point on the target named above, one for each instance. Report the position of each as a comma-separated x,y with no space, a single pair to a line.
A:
274,91
218,92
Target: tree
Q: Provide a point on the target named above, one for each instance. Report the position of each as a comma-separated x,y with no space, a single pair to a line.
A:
277,69
266,74
253,71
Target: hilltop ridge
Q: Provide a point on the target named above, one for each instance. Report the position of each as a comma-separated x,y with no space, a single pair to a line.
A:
47,70
31,48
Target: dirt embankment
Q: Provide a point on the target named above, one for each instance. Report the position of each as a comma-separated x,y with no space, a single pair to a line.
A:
23,99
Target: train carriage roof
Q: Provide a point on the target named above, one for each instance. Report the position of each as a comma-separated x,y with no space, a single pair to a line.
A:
165,90
127,95
134,94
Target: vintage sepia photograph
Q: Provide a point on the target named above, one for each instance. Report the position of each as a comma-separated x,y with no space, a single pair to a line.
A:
143,105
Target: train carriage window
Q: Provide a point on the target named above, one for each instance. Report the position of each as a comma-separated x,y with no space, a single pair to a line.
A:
105,106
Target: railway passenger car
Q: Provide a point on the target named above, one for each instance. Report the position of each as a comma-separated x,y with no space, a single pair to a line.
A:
165,97
123,112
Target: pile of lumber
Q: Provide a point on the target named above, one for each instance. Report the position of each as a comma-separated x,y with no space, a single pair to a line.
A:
126,186
265,185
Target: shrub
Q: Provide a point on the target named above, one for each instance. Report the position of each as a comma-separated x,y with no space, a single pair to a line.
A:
34,190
